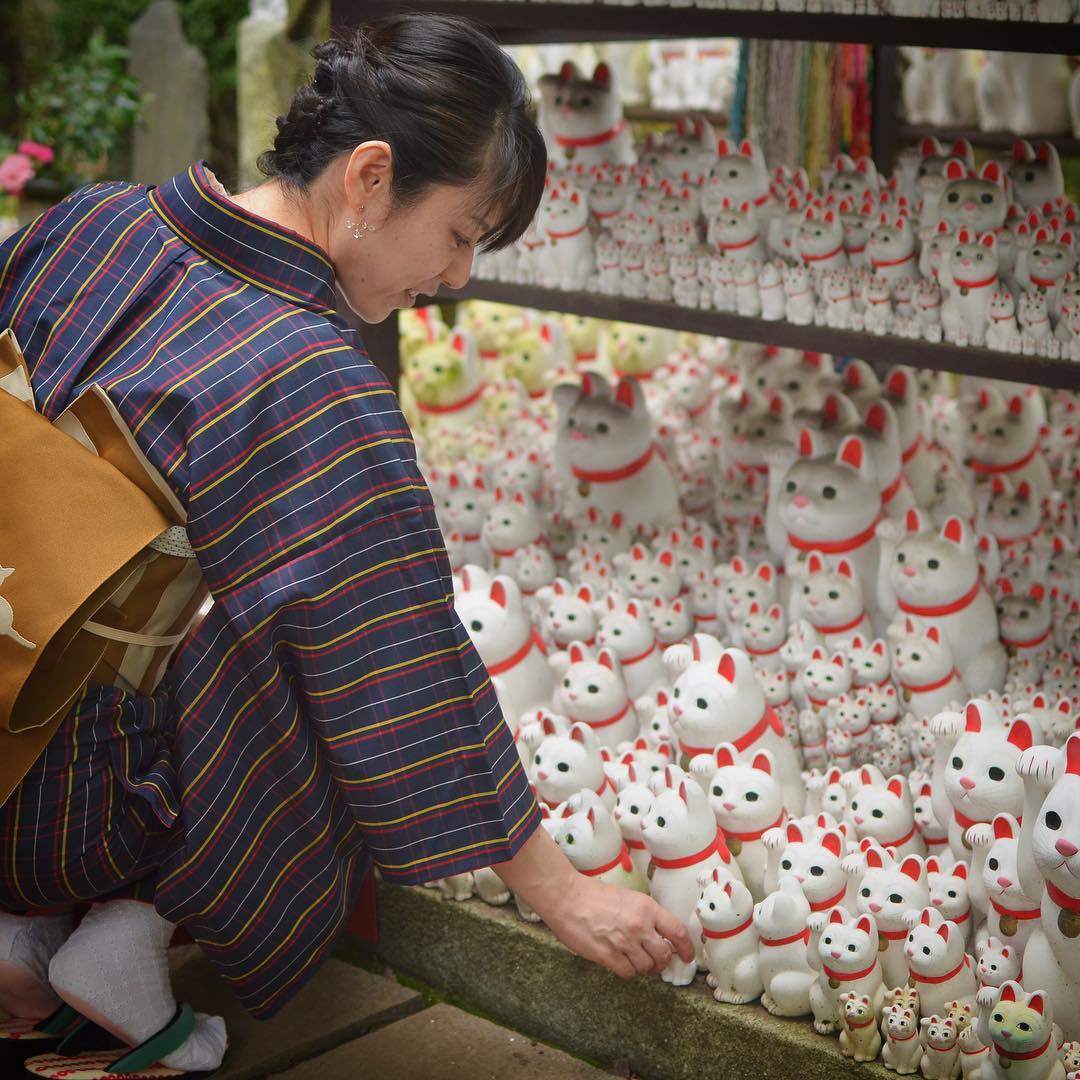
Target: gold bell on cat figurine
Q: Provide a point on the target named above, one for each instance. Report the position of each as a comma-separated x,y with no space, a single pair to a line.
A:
735,845
583,488
1009,925
1069,922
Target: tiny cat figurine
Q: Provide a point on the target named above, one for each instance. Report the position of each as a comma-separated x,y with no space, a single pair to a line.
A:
593,691
786,975
1026,626
1013,517
649,577
631,806
738,173
747,293
937,964
771,291
604,440
975,201
747,801
859,1035
853,179
997,962
891,250
969,276
658,284
633,285
836,292
672,620
564,764
1019,1028
883,811
902,1051
568,614
869,661
935,575
798,295
941,1051
730,939
593,843
826,677
582,118
845,950
925,671
832,602
682,837
735,233
762,633
1033,316
569,257
511,523
812,857
820,241
627,631
1002,326
889,889
949,894
1035,174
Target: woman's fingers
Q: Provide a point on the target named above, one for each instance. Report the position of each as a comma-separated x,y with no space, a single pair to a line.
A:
669,927
660,950
641,961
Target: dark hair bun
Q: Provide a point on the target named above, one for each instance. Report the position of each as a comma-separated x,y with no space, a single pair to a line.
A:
451,105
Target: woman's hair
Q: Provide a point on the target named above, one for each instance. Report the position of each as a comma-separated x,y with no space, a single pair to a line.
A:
449,102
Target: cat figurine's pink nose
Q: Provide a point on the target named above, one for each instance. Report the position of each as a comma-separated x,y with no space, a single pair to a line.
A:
729,806
1004,882
909,571
967,783
1066,848
875,907
801,500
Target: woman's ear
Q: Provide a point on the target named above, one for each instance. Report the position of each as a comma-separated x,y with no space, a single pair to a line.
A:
368,182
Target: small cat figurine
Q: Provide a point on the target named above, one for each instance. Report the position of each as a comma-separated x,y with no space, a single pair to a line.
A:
997,962
969,276
564,764
820,241
593,843
798,295
1002,326
1033,316
1006,440
627,631
735,233
976,201
891,250
831,600
570,256
632,804
877,300
786,975
771,291
739,173
1026,626
902,1051
949,894
859,1035
593,691
925,671
883,811
845,950
762,633
730,939
941,1052
582,118
826,677
511,523
747,293
937,964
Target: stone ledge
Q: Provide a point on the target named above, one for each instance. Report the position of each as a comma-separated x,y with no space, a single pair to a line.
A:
521,976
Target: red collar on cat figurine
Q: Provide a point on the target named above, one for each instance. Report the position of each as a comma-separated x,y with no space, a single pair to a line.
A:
933,611
1031,913
1011,643
454,406
939,978
1021,1055
768,719
878,263
844,976
610,720
716,845
799,935
719,935
591,140
889,493
912,450
838,629
762,652
631,660
609,476
757,834
622,859
824,905
734,246
835,547
512,661
927,687
985,467
827,255
982,284
1062,898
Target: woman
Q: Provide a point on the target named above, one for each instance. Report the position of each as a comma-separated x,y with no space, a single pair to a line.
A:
329,712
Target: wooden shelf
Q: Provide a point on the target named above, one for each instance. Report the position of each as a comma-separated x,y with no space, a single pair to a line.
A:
647,114
1066,145
521,21
885,349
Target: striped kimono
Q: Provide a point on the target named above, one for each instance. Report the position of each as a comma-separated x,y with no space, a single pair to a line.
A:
329,711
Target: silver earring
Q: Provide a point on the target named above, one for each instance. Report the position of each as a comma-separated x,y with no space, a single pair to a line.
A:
359,229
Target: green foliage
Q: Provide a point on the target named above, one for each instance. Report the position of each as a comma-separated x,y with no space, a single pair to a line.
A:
82,107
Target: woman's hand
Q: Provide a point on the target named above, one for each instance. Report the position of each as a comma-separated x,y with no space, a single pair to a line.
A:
627,932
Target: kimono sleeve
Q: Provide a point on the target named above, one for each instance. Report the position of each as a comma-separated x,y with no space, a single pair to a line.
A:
333,627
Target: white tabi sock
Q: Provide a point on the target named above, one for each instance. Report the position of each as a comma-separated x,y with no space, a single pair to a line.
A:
27,944
115,971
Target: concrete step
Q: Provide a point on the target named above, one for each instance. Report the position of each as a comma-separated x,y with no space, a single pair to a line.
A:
523,977
340,1003
443,1043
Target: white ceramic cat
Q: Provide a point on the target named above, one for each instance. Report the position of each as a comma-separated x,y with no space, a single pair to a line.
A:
888,890
977,201
739,173
592,842
935,576
511,523
786,975
925,671
902,1051
569,257
593,691
891,250
496,620
1011,915
826,678
844,949
628,633
564,764
1001,315
940,1048
798,295
997,962
730,940
582,119
820,241
762,633
812,856
771,291
672,620
949,895
969,276
722,702
1026,622
568,614
631,805
831,600
746,801
1005,441
734,232
883,810
869,661
684,842
940,969
605,440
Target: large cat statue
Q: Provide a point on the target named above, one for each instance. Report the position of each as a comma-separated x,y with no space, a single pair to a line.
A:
1019,1029
582,119
934,576
1049,849
606,456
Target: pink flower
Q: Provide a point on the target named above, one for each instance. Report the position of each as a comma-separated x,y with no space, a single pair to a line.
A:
37,150
15,170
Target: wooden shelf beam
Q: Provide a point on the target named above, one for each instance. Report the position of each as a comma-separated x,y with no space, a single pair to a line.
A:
885,349
1066,145
522,21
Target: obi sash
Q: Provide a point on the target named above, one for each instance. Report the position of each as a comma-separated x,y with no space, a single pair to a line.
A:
98,583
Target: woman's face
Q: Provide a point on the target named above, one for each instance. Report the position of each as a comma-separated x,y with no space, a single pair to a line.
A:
408,251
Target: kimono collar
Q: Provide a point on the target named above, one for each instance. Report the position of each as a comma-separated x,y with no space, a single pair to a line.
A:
276,259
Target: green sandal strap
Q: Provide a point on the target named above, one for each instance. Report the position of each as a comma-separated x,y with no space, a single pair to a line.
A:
168,1039
58,1022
